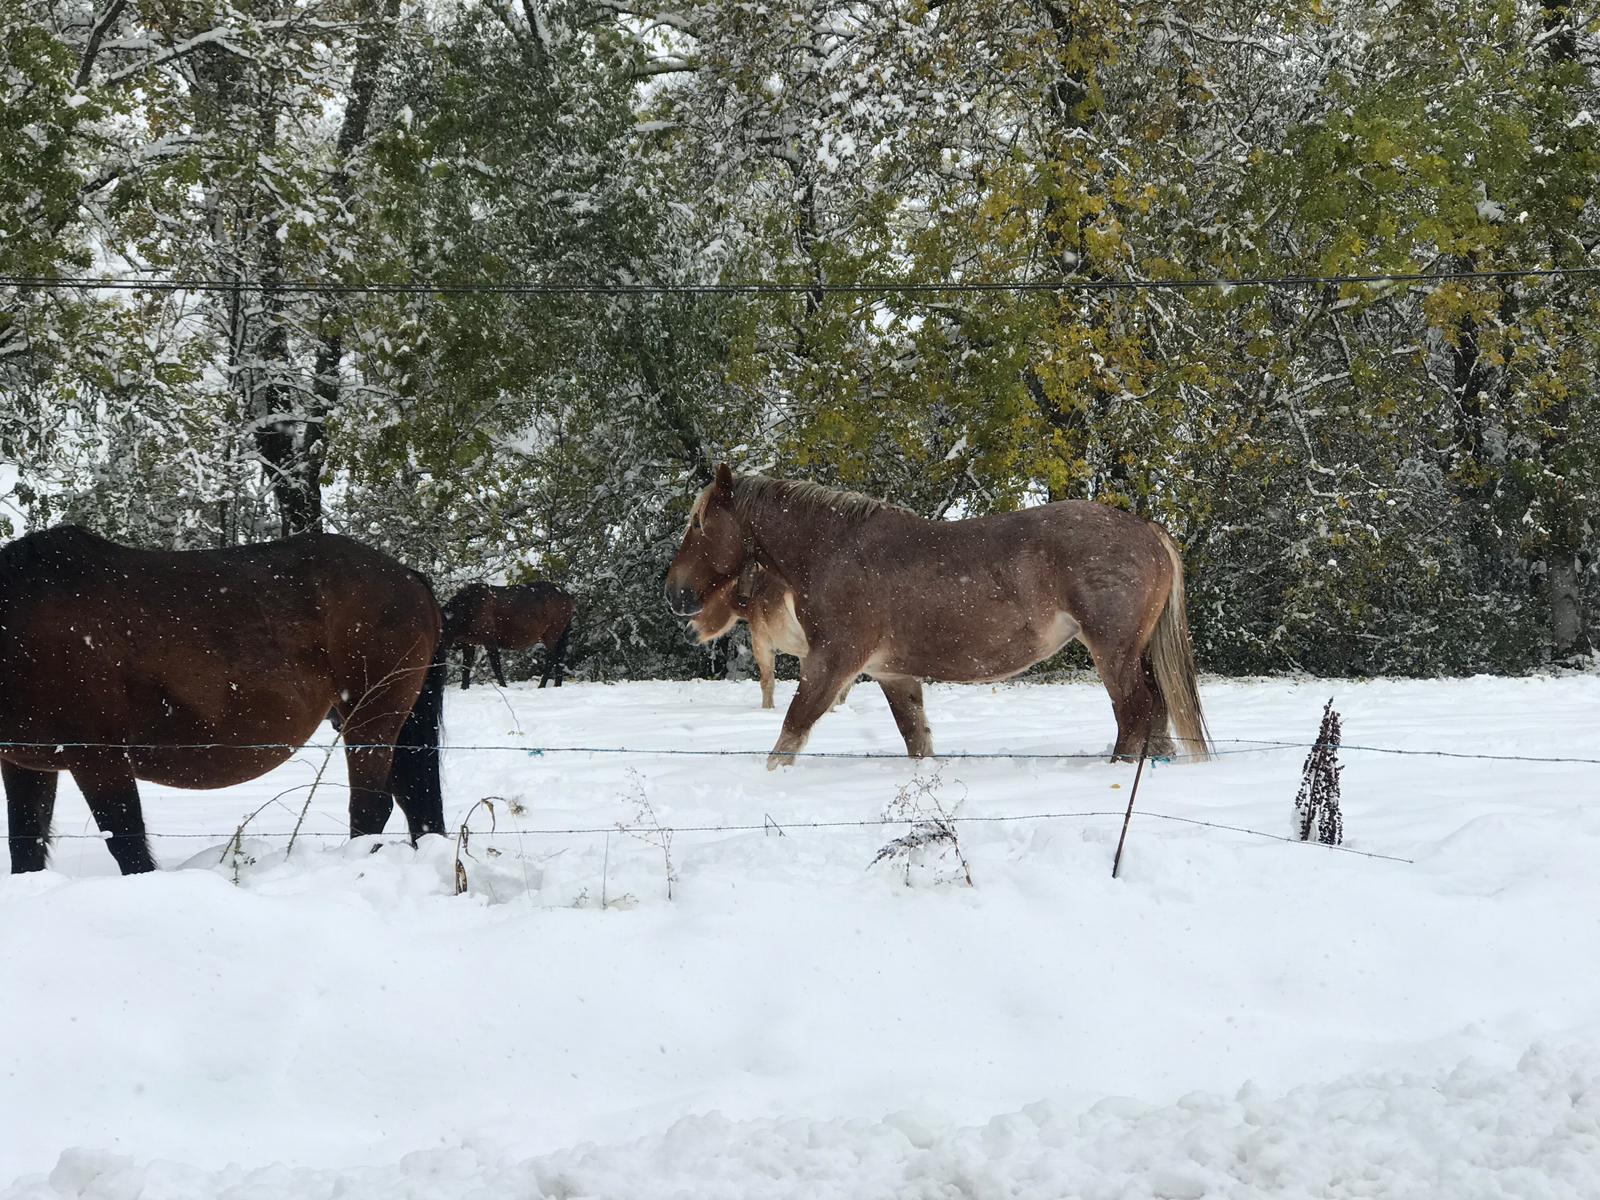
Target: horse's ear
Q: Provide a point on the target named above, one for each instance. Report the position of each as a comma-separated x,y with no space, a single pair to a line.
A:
724,479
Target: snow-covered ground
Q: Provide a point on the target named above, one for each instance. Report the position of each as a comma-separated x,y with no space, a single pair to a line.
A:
1235,1016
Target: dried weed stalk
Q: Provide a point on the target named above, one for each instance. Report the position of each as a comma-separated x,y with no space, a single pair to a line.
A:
932,832
647,828
1316,804
464,838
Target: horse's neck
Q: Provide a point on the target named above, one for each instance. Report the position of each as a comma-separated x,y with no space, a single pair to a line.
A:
792,544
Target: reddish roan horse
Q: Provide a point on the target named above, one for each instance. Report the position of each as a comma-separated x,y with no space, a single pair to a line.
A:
761,599
512,618
881,591
207,668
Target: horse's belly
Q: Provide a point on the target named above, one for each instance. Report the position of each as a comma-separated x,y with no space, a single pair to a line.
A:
977,654
183,767
190,750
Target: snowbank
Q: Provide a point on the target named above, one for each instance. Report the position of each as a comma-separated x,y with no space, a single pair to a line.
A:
1531,1132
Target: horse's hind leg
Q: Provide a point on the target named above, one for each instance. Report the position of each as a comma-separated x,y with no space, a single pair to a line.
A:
468,652
494,661
374,728
905,702
113,798
555,657
30,802
1134,699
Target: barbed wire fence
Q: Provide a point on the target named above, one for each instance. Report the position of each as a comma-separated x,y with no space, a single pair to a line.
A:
1222,747
1242,746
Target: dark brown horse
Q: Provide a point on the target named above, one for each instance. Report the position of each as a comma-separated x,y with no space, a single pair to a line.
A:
881,591
512,618
766,603
207,668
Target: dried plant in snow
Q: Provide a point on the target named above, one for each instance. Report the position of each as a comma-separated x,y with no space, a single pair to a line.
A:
464,838
1316,804
932,832
646,828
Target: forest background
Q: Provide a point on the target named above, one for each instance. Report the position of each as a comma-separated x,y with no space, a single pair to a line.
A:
1387,477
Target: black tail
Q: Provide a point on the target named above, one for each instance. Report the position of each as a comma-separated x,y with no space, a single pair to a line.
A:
556,657
415,776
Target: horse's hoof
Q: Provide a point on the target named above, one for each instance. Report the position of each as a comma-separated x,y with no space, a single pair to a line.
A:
774,761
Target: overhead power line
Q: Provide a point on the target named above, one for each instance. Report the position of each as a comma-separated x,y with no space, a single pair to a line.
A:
864,288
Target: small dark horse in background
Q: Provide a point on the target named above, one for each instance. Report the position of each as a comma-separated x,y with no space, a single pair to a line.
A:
512,618
207,668
881,591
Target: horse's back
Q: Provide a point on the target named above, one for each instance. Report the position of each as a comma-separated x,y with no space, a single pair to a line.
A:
1064,541
62,554
42,563
1078,526
541,593
529,613
238,603
1109,555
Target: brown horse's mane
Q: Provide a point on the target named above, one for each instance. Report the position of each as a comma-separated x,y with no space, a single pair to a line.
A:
753,491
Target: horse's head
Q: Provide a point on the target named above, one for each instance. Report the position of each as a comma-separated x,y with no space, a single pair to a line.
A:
713,552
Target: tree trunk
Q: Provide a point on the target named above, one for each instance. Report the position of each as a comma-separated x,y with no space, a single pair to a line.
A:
277,414
1563,589
300,500
1566,608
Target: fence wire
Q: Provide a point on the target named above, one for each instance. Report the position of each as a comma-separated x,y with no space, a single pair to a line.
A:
770,825
1240,746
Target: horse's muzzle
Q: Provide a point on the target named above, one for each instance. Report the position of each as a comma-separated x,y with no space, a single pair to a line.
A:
683,600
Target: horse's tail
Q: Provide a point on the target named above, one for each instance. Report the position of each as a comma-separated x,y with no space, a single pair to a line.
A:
415,776
1172,660
557,656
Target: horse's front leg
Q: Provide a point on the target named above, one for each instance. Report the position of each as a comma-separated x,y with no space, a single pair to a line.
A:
109,789
761,649
822,673
30,801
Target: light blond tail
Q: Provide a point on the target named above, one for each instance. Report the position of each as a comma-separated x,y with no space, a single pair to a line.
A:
1172,660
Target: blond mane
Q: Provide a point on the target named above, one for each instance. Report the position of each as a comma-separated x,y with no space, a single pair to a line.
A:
753,491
